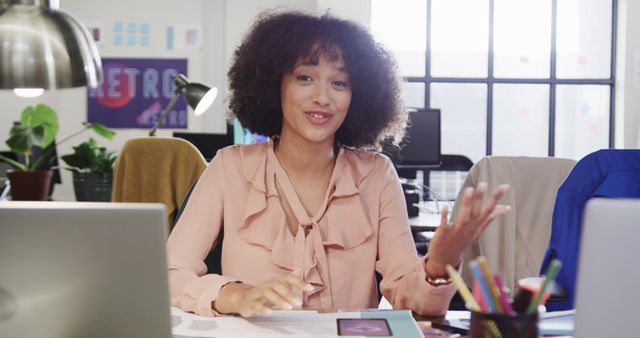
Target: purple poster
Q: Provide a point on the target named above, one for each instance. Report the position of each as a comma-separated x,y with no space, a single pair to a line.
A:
135,91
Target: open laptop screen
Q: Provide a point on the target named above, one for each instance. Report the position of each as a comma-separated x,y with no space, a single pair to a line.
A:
607,294
83,270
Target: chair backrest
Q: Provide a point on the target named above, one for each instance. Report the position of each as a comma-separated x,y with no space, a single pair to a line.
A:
612,173
154,169
514,244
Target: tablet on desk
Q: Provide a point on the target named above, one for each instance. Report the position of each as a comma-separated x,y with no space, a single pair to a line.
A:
370,327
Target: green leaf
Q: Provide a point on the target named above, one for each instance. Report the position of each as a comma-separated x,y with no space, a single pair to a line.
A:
103,131
15,164
89,157
38,135
45,116
19,143
25,117
21,139
92,143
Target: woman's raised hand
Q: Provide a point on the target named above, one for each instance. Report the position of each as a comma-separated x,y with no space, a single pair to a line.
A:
247,300
451,239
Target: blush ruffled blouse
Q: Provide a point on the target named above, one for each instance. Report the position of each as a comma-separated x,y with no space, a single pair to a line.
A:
362,227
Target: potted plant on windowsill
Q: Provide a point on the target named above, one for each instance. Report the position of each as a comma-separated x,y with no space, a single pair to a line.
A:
92,170
38,128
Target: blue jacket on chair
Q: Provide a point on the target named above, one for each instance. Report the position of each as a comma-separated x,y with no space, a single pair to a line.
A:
605,173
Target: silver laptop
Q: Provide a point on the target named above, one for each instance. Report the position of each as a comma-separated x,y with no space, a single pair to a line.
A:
83,270
608,284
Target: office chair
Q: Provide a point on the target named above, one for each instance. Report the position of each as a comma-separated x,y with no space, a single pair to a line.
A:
612,173
154,169
514,244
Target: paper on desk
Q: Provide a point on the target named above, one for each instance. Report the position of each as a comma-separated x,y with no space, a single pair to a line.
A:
558,322
459,315
309,324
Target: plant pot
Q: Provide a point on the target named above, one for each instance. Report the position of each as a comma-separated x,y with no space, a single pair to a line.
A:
29,185
92,187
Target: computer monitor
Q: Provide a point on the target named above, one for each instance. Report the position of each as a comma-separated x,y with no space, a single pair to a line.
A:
421,145
208,143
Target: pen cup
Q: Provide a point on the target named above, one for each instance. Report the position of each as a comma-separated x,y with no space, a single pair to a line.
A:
494,325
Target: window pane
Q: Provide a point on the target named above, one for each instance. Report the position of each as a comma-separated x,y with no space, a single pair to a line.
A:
401,26
459,38
464,118
522,38
520,120
584,39
413,94
582,115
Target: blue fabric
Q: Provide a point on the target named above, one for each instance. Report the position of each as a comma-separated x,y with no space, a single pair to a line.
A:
610,173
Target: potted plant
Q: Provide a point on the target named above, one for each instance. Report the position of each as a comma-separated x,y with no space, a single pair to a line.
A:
38,128
92,170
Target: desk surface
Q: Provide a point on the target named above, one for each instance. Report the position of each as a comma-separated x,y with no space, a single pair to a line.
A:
429,217
296,323
424,222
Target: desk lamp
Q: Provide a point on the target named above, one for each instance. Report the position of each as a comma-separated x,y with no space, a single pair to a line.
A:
42,47
198,96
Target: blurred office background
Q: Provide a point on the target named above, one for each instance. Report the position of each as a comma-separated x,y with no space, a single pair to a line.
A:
511,77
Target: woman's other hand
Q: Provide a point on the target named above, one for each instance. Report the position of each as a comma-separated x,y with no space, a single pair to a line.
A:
451,239
247,300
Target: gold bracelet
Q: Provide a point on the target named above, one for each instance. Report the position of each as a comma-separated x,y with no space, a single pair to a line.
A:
438,281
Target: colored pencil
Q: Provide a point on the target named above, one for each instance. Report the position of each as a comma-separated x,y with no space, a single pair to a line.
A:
491,283
504,299
549,275
463,289
484,288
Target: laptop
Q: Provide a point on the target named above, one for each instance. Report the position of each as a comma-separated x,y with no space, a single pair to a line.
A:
71,269
607,292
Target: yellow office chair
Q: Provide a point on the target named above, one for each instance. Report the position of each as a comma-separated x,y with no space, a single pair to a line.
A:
154,169
515,244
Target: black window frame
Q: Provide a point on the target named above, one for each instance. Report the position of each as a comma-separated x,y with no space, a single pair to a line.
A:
552,81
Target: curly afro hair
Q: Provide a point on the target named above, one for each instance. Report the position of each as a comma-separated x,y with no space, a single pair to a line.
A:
274,45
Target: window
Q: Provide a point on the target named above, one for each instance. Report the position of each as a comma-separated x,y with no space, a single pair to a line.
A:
511,77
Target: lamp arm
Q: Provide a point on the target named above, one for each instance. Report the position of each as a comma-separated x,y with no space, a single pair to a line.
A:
164,113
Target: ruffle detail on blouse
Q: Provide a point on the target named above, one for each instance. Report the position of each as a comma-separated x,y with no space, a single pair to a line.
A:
326,229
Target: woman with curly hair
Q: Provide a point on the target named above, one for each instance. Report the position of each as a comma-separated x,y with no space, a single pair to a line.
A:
311,215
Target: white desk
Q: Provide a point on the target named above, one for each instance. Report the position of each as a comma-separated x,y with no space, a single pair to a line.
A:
429,217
